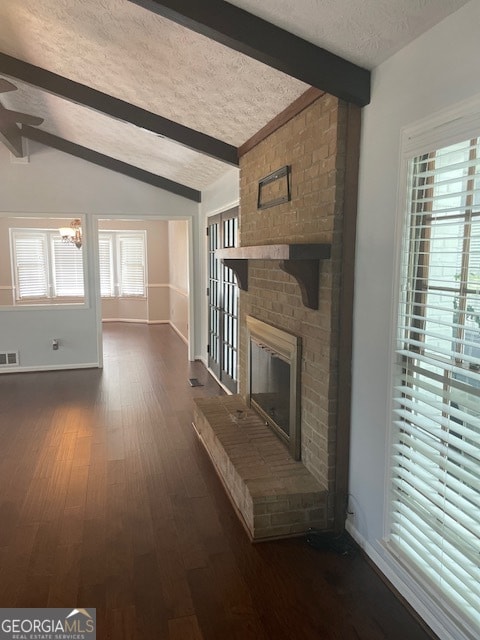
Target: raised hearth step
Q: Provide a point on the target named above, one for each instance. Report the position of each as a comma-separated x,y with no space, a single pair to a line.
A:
274,495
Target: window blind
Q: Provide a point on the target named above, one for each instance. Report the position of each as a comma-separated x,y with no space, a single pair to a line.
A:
131,256
122,263
105,253
45,267
67,266
435,478
31,265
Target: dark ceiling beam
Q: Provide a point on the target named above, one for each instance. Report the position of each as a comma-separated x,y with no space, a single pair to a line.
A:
116,108
263,41
11,137
51,140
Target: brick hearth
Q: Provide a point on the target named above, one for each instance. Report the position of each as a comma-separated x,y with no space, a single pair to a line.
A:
274,495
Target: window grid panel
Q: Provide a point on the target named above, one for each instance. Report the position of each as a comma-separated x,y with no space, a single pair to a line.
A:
213,286
223,301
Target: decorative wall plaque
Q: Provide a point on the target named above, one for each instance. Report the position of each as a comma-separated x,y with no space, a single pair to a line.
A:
274,189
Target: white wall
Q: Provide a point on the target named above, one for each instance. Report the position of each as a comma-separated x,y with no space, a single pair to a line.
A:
55,183
221,196
436,71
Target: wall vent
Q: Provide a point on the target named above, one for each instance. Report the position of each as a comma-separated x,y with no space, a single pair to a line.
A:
8,358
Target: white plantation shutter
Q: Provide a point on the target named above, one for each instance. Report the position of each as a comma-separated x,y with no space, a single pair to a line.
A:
105,252
435,505
67,266
131,256
31,265
45,267
122,263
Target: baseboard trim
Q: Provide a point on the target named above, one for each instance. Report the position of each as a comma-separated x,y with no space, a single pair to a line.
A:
133,320
424,608
177,331
219,382
136,321
53,367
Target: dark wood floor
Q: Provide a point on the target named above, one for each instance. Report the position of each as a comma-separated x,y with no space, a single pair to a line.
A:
108,500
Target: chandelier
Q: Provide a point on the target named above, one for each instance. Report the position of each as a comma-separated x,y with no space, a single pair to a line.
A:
73,233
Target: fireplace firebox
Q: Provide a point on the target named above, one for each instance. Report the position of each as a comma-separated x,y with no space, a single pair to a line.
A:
273,377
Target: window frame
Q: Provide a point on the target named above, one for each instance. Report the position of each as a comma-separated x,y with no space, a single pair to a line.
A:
51,299
115,236
447,127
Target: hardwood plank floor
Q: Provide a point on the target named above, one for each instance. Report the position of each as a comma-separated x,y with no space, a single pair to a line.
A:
108,500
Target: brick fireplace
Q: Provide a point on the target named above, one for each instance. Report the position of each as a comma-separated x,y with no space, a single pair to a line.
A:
320,145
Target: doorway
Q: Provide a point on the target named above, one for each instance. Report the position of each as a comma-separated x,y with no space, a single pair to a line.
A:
144,272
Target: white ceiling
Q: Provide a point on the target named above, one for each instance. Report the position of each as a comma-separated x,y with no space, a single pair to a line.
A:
125,51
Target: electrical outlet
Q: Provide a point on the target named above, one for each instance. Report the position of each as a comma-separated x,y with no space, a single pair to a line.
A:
55,344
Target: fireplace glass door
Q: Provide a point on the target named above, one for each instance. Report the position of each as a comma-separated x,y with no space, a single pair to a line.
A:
270,385
273,378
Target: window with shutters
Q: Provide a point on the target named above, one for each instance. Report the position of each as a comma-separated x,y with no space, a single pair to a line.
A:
105,256
435,479
67,269
44,268
122,259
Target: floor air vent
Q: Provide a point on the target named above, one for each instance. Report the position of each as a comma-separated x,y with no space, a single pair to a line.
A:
8,358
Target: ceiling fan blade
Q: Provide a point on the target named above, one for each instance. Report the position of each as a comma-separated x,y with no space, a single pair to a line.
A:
5,86
19,117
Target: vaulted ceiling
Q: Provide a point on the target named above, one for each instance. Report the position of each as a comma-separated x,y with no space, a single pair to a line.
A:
170,90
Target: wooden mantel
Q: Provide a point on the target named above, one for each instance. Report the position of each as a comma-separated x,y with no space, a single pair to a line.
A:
302,261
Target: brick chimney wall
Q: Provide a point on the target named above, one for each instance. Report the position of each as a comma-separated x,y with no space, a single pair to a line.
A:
313,144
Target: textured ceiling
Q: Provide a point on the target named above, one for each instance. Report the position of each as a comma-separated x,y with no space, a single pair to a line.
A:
125,51
117,139
365,32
